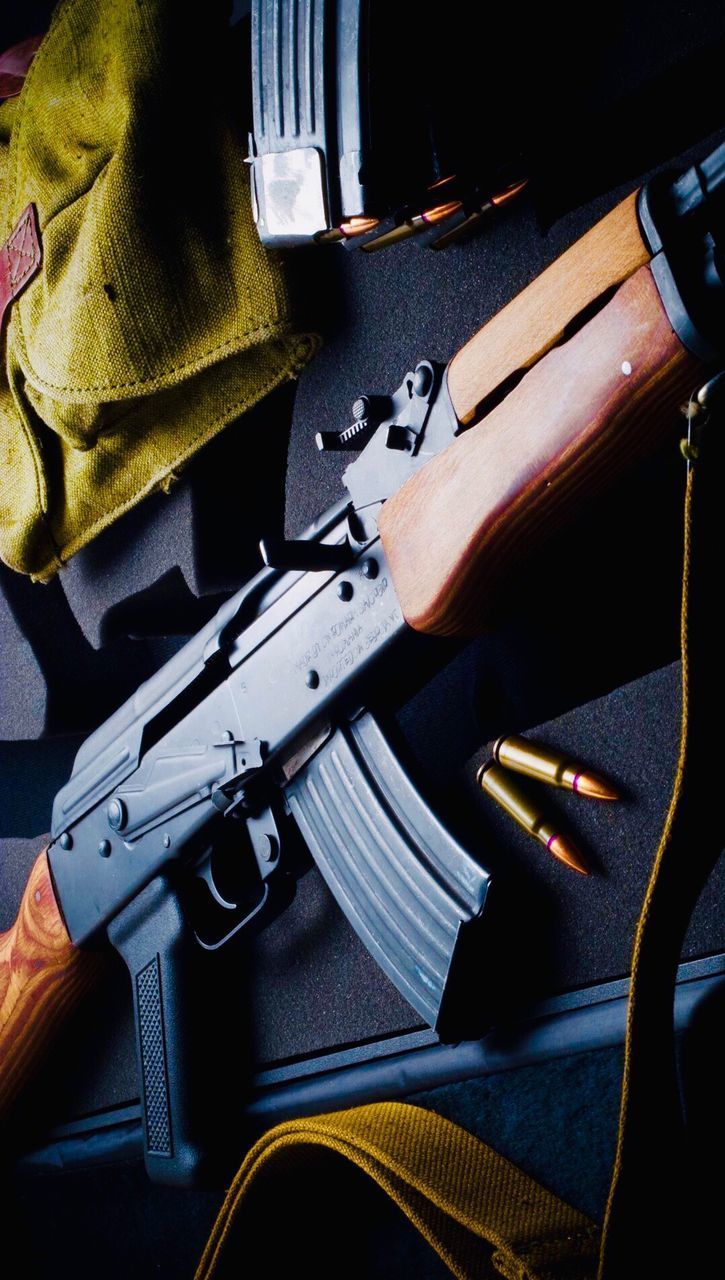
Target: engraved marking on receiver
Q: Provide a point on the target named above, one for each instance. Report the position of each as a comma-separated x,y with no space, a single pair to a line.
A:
334,646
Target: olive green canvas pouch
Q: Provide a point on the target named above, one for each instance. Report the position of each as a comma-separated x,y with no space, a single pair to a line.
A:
156,317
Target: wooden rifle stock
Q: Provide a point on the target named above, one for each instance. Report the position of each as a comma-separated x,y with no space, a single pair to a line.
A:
583,408
42,978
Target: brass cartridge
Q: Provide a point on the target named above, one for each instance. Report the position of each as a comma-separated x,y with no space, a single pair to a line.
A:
523,755
497,783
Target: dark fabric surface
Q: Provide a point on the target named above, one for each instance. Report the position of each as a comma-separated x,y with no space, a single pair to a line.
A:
558,1121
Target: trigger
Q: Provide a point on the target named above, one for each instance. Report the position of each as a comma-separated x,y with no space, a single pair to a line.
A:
206,874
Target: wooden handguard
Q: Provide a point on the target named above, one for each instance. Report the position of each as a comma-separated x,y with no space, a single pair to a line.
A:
578,416
538,317
42,975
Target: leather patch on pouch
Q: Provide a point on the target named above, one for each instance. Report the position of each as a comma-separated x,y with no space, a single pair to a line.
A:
19,258
15,64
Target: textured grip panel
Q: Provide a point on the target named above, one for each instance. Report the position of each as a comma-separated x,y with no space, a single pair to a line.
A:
171,1038
153,1059
408,888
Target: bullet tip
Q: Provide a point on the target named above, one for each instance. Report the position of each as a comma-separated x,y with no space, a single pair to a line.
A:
594,787
567,853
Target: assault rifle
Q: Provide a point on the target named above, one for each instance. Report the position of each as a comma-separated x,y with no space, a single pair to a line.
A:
262,717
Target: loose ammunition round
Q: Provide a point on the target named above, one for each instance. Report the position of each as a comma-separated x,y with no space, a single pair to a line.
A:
509,193
497,783
357,226
412,227
466,224
523,755
440,212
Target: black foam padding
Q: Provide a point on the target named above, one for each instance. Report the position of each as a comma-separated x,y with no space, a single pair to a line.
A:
23,691
145,574
314,985
32,773
529,1115
54,682
18,856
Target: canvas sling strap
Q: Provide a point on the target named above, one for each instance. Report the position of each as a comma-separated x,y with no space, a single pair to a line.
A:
483,1215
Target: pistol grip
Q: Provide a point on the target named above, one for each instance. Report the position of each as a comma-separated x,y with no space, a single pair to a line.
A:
155,942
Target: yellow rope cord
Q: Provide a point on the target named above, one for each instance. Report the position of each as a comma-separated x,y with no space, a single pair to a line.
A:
664,850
